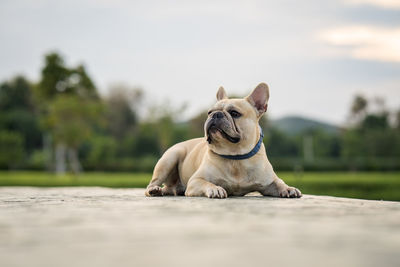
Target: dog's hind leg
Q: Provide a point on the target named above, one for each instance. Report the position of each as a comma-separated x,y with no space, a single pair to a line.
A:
165,172
173,186
170,184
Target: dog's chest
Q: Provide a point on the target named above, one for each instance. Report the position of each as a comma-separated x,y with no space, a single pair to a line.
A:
239,180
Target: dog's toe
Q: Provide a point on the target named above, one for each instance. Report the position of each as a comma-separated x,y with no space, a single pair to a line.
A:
216,192
290,192
298,193
154,191
284,193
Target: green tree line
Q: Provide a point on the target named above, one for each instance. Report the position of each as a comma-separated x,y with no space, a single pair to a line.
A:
61,123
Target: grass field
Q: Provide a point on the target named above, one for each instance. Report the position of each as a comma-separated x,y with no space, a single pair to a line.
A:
367,185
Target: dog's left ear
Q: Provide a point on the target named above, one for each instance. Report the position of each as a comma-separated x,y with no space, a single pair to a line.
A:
221,94
259,98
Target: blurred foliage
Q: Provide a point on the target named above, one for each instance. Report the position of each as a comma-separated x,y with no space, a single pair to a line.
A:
57,78
69,108
71,119
16,94
102,149
122,110
372,135
64,109
279,144
18,112
12,149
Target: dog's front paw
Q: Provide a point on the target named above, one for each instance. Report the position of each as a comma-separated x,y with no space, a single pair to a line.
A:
216,192
291,192
154,191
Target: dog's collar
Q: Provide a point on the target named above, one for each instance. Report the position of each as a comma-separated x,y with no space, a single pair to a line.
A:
247,155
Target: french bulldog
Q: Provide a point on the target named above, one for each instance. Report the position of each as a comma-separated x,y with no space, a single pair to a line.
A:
230,160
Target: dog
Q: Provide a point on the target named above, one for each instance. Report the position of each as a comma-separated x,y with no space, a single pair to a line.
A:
229,161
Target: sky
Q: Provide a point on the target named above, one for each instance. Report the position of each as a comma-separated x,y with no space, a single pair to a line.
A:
314,55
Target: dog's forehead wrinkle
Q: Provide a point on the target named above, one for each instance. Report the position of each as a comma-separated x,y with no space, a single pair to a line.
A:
219,105
228,104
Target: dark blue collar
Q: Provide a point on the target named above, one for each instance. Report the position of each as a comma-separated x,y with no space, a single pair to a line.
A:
251,153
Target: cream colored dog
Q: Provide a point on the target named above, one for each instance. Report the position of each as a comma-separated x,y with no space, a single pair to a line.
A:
229,161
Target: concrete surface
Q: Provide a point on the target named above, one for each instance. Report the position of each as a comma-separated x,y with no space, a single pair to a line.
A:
121,227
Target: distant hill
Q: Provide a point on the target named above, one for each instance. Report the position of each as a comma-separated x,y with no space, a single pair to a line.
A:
293,125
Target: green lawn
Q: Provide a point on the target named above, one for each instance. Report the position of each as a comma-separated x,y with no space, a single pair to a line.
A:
367,185
112,179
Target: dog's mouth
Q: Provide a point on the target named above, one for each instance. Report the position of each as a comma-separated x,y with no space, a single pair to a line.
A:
213,129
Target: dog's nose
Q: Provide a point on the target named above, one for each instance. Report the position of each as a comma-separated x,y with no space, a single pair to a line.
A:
218,115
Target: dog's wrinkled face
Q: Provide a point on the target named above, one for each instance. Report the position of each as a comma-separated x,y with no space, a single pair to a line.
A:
232,124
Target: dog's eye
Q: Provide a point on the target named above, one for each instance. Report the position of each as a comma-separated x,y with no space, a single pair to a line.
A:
209,112
235,114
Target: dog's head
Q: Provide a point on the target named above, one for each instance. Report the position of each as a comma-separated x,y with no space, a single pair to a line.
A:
232,124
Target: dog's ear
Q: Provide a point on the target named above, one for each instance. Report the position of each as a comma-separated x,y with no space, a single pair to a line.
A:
221,94
259,98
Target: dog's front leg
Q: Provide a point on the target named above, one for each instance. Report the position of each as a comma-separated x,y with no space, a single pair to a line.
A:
199,187
278,188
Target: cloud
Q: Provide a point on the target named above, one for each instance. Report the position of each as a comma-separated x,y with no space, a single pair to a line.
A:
388,4
365,42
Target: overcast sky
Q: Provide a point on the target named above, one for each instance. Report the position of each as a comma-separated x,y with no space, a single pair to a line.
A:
315,55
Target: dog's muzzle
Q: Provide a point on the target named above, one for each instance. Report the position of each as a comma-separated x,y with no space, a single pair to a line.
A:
218,123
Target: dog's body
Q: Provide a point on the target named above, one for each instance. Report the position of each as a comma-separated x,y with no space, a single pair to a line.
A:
211,166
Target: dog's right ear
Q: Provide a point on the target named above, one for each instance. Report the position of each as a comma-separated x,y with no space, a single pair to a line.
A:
221,94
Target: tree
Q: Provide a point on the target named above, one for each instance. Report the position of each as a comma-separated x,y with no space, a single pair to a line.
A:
375,122
279,144
196,124
163,118
17,112
12,149
145,142
122,110
57,79
397,120
359,105
16,93
373,135
102,150
72,107
71,120
54,77
358,109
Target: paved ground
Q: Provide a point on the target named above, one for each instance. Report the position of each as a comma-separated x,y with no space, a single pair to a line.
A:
121,227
